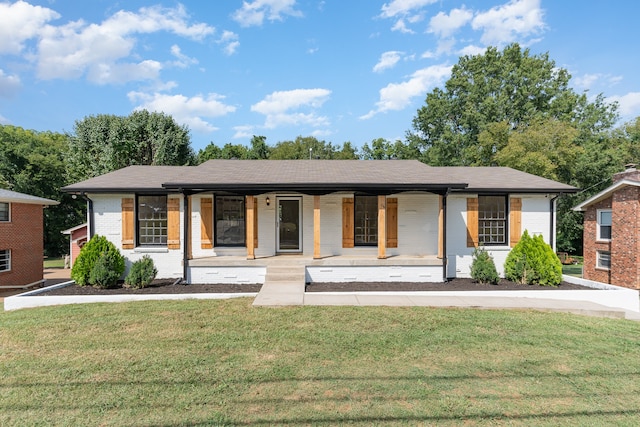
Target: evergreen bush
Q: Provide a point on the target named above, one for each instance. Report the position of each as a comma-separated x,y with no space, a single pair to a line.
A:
141,274
89,256
483,269
533,262
105,272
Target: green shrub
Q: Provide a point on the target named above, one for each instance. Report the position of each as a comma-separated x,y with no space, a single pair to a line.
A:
89,256
105,272
483,269
533,262
141,274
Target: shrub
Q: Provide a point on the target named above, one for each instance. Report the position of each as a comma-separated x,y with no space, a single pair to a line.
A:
141,274
105,272
532,261
483,269
89,256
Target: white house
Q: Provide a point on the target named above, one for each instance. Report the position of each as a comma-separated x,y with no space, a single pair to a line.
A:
345,220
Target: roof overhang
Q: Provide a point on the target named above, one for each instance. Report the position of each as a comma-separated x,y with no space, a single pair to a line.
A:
606,193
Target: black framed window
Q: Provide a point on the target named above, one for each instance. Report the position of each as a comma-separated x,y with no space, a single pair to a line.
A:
492,220
5,260
4,211
604,224
152,220
230,221
366,220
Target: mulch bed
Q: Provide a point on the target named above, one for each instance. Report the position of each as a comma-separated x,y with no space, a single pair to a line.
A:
165,286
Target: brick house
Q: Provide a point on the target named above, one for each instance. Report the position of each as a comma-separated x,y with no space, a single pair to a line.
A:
612,232
344,220
21,238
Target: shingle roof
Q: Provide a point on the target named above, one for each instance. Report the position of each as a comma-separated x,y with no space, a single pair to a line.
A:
317,176
15,197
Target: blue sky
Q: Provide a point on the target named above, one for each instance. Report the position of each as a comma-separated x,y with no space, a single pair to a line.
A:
338,70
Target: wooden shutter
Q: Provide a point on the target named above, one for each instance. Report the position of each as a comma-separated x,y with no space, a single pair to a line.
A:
206,223
127,223
392,222
347,222
173,223
472,222
515,220
440,227
255,222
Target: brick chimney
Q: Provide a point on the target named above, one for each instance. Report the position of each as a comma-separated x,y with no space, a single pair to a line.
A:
630,173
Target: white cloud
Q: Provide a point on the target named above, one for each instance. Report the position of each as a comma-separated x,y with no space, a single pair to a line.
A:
101,50
444,25
254,13
397,96
504,24
587,80
183,61
387,60
189,111
279,107
20,22
9,84
402,27
243,132
230,41
629,104
403,7
472,50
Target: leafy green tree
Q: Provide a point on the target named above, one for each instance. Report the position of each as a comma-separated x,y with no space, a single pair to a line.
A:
382,149
33,163
103,143
511,86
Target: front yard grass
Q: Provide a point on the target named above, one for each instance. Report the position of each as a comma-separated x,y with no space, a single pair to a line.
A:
195,363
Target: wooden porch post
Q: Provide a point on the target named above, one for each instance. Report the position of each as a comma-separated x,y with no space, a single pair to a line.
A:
250,228
382,227
440,229
316,227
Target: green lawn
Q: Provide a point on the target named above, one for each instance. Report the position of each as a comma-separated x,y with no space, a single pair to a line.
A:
194,363
53,263
572,270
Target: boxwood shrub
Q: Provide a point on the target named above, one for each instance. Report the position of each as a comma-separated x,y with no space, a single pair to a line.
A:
141,274
483,269
111,263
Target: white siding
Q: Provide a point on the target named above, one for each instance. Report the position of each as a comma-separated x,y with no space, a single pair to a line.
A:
535,218
108,222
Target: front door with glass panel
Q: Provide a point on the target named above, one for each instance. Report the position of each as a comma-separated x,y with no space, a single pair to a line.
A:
289,224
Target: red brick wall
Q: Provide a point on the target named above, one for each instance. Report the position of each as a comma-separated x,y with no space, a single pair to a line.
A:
625,242
591,245
23,236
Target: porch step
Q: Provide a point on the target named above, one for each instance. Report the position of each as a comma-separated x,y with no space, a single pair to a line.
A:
283,285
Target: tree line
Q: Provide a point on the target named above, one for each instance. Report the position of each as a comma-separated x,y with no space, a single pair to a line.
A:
501,108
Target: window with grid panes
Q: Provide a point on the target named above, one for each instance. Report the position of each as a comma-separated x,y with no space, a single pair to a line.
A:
229,223
366,220
4,211
492,220
152,220
5,260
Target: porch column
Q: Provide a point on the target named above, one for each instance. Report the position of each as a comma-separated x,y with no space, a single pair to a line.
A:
250,228
382,227
316,227
440,228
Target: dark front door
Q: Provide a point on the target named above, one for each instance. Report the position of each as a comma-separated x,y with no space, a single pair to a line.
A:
289,224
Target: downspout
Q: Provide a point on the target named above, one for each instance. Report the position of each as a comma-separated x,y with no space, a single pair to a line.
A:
552,223
186,240
444,236
92,230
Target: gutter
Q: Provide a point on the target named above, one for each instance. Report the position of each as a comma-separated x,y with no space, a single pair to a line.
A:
91,229
186,239
552,223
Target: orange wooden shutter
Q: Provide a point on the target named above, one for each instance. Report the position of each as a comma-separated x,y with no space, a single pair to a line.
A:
515,221
392,222
173,223
472,223
441,227
255,222
206,223
127,223
347,222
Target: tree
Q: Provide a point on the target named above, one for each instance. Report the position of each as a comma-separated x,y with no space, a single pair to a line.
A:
33,163
512,87
382,149
103,143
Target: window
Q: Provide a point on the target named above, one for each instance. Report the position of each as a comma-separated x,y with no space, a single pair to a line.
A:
603,260
4,211
604,224
5,260
366,220
229,221
492,220
152,220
